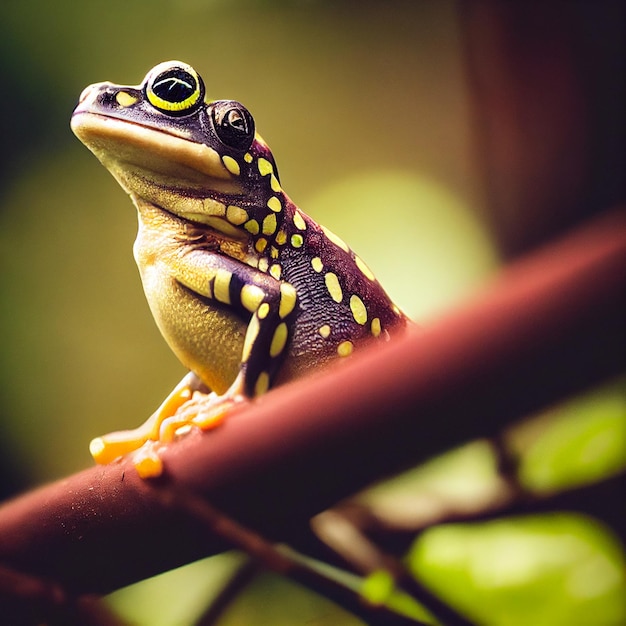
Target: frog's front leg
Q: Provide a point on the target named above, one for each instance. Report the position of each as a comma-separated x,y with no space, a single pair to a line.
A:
270,306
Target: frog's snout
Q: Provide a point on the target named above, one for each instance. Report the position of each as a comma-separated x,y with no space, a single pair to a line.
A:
86,93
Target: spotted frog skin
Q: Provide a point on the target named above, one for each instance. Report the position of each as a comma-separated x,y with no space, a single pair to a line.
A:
247,290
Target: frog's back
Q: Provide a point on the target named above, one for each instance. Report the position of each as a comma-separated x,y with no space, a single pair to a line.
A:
341,305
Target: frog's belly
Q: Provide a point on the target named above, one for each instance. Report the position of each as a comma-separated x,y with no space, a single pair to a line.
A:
205,336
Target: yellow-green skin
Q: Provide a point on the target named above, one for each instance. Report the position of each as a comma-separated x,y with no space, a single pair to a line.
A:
247,290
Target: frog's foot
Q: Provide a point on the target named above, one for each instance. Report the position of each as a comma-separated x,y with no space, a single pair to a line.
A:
184,409
203,411
113,445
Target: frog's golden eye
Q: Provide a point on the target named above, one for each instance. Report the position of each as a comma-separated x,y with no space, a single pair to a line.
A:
174,88
233,124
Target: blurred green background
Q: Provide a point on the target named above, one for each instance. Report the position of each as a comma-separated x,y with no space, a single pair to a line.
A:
368,109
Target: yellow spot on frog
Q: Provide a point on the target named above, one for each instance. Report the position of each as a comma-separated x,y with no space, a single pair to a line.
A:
263,264
276,271
231,165
252,226
324,331
288,299
345,348
298,221
359,312
265,167
274,204
247,157
360,263
278,340
221,286
124,99
297,240
333,286
274,184
338,241
316,264
260,244
269,224
281,237
264,309
262,384
236,215
251,334
376,327
274,252
251,297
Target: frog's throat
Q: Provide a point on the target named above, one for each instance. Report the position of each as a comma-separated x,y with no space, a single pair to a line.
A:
122,145
205,212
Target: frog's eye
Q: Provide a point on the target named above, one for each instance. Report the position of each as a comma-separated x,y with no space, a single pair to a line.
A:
174,88
233,124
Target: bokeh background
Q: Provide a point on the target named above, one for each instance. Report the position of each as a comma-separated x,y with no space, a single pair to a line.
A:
439,138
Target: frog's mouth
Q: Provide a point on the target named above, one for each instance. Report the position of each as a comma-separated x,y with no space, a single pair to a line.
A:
124,145
178,175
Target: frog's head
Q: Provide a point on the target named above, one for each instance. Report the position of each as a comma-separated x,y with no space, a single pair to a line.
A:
167,146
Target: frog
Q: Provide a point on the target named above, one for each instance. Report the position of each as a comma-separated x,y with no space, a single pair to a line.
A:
248,291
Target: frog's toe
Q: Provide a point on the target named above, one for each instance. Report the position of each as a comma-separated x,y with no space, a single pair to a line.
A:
203,411
147,461
213,414
109,447
175,426
99,452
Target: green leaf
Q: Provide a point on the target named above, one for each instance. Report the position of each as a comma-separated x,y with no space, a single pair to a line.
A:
582,443
553,569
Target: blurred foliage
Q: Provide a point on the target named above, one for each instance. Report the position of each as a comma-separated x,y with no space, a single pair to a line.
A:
379,589
558,570
366,108
180,597
578,443
552,569
462,481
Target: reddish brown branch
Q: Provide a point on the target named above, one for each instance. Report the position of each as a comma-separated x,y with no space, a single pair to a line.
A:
548,327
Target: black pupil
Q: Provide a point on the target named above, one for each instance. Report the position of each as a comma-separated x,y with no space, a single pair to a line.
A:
174,86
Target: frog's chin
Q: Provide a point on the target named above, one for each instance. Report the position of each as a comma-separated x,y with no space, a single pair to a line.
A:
129,150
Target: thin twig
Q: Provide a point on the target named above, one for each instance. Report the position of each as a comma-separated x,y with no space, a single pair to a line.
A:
280,560
26,599
366,557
